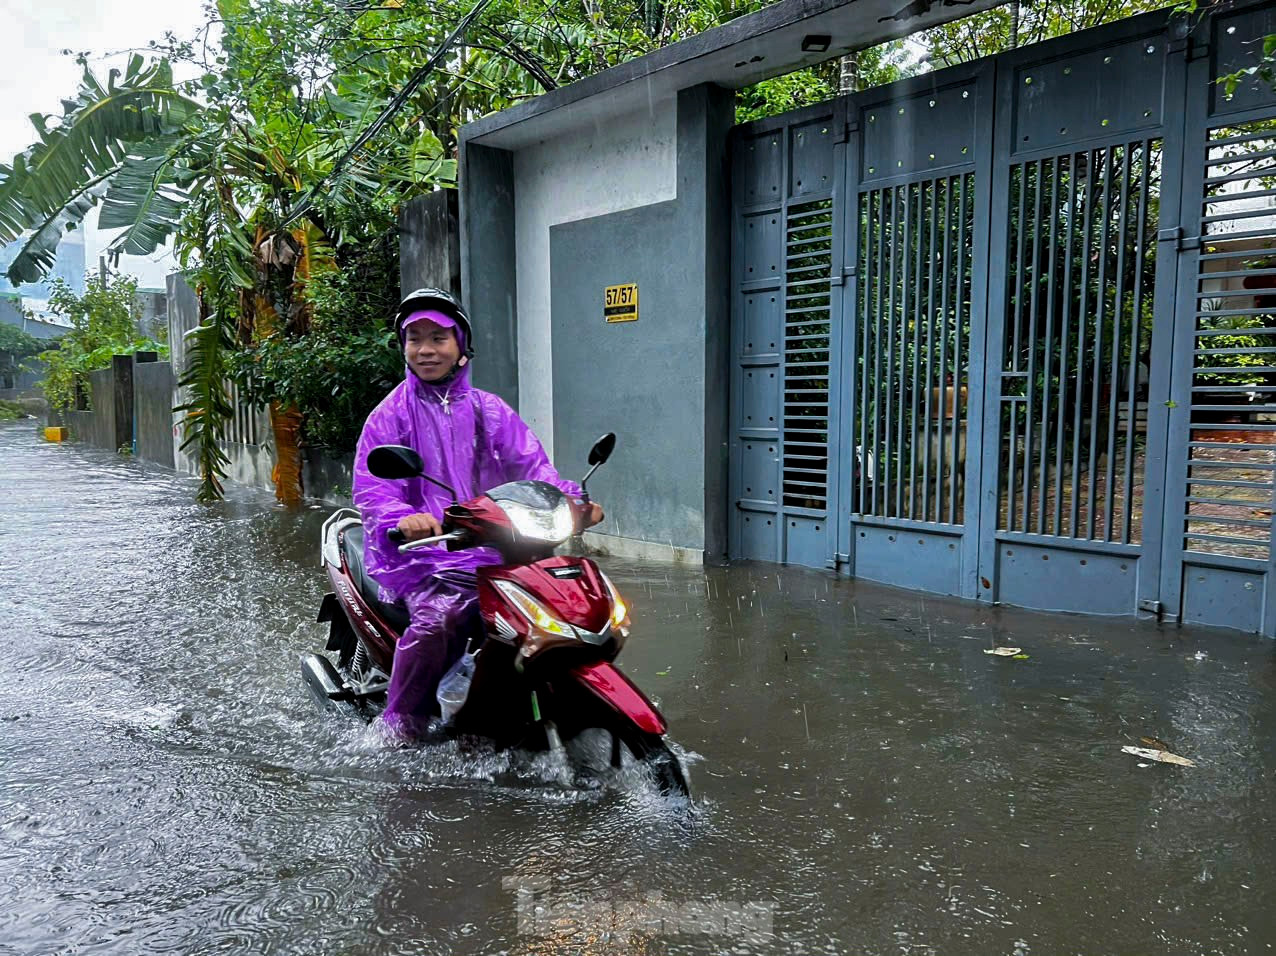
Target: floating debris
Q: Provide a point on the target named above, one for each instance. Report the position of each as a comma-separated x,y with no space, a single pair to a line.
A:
1161,756
1003,651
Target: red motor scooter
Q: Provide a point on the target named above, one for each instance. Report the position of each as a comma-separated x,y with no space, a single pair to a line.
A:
551,625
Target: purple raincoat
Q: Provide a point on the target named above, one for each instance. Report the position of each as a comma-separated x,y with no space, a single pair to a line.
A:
473,441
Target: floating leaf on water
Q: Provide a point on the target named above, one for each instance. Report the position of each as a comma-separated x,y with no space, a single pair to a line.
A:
1021,657
1003,651
1162,756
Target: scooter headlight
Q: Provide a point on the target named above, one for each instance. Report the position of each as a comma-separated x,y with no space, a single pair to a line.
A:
535,613
550,525
619,612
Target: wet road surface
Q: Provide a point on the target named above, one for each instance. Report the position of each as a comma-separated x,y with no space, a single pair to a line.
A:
868,780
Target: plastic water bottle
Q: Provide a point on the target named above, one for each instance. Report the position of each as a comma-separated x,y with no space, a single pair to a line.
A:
454,688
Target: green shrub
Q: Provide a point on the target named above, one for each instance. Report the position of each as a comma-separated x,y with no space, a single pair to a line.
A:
103,324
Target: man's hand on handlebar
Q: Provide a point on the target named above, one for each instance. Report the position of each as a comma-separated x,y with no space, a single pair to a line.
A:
595,515
415,527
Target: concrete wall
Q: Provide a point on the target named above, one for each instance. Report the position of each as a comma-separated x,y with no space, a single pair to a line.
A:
152,305
429,243
489,273
183,315
153,411
626,164
660,382
96,426
642,197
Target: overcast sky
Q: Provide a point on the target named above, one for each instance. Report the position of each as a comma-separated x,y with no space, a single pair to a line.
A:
36,76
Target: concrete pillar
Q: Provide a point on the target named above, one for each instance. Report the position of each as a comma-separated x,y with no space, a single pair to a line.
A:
122,390
488,267
430,243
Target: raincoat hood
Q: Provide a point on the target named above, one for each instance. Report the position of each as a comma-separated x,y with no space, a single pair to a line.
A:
469,439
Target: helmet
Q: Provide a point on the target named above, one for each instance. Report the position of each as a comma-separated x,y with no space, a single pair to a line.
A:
444,302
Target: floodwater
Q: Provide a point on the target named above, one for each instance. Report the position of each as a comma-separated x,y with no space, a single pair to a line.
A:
867,779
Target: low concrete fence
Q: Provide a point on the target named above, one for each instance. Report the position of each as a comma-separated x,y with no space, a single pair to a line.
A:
129,408
153,438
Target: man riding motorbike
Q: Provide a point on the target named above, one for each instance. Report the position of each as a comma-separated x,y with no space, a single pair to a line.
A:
470,440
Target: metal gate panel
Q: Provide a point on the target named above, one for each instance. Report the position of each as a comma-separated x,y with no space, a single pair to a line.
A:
1071,326
1063,257
784,343
1218,550
916,239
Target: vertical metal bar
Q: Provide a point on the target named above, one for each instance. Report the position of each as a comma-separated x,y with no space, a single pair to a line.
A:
1017,278
916,342
946,272
1043,470
959,316
883,284
1114,371
1082,321
885,469
1064,328
864,209
1101,299
898,423
1135,331
873,451
1031,382
932,225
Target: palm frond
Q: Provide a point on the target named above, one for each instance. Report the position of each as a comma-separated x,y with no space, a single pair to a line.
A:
144,202
39,249
207,403
99,130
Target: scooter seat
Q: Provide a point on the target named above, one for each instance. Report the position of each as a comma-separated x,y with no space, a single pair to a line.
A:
395,615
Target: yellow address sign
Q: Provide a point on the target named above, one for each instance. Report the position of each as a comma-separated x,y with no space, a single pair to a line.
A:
620,303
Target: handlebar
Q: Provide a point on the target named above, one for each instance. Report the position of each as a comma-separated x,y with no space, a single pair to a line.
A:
426,542
396,536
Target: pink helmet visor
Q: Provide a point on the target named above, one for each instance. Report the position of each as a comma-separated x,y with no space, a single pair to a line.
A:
441,319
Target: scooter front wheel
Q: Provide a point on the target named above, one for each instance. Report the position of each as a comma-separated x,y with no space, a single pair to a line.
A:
650,752
662,763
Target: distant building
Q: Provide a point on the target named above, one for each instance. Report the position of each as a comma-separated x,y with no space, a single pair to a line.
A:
153,319
69,266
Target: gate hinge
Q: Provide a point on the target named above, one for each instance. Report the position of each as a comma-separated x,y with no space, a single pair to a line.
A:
847,273
1152,607
1181,242
1191,49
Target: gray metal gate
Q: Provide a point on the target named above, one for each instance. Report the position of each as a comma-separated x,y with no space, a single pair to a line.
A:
1004,257
785,422
1218,557
917,155
1077,345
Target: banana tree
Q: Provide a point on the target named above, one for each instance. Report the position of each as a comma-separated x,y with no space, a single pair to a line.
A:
208,175
222,166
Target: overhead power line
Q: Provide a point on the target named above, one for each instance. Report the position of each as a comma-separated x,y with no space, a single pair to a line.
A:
390,110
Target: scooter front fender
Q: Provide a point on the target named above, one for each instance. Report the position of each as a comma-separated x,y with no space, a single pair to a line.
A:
619,693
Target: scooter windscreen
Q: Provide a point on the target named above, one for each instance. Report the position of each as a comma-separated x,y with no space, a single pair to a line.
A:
537,510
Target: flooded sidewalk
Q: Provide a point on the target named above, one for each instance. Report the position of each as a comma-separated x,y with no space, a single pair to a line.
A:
868,780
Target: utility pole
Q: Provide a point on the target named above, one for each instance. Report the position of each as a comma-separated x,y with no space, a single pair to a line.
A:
848,80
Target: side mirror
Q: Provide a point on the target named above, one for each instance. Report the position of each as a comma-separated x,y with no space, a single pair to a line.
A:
597,455
602,449
395,461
